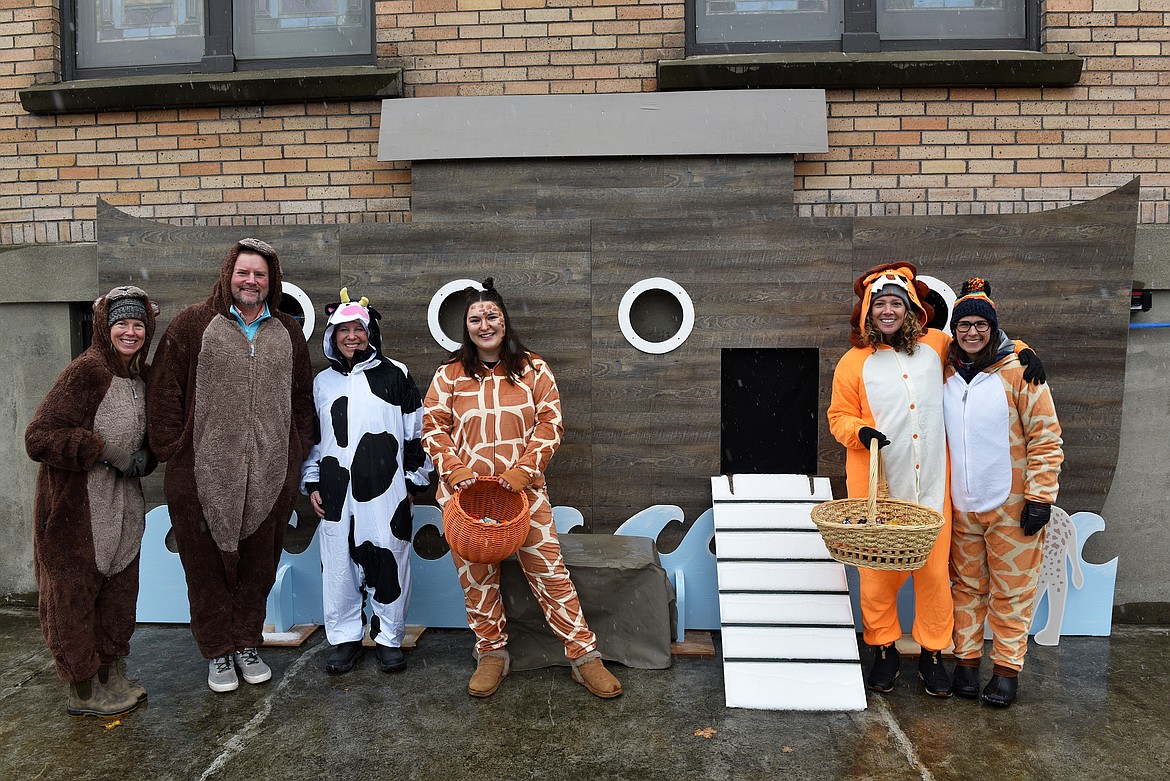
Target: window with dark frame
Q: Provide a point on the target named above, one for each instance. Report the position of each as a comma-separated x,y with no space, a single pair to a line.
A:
737,26
137,37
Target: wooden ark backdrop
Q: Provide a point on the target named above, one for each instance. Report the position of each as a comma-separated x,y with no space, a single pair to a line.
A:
565,239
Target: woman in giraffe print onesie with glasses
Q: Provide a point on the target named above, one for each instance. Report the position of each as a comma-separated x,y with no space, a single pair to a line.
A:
1005,447
494,409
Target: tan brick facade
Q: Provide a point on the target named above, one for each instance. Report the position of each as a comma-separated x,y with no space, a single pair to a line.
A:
914,151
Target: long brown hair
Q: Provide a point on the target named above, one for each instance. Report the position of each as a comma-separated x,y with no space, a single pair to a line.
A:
513,354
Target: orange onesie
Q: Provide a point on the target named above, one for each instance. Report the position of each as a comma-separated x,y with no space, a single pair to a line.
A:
900,395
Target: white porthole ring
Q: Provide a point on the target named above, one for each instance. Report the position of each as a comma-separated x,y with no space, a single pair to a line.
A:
437,300
289,289
670,287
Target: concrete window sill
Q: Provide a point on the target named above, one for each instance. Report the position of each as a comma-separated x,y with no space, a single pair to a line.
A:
244,88
836,70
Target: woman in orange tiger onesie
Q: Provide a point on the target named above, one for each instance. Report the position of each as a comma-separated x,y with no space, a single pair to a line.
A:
1006,453
494,409
888,388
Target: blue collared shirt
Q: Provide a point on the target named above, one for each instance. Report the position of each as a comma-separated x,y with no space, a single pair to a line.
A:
250,329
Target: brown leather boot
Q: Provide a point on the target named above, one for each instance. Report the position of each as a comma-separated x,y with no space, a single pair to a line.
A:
90,698
112,676
591,673
493,667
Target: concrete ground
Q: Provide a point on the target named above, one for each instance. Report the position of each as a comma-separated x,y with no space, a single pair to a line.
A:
1090,708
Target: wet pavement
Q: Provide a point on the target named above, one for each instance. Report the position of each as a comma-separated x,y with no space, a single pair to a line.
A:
1089,708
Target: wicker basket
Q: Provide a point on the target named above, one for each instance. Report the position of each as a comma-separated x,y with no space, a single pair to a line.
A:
486,543
901,542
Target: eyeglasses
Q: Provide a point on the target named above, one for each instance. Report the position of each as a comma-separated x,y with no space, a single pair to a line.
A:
980,326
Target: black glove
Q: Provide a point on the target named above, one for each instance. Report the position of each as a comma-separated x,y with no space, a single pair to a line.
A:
867,434
1035,517
138,461
116,457
1033,370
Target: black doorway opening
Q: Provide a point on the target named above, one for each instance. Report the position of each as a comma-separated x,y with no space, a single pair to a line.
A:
768,411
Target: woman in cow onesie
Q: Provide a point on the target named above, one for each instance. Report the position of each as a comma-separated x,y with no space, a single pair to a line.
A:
361,476
89,434
1006,453
494,409
889,388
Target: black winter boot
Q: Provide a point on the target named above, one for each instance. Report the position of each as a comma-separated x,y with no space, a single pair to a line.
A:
934,676
885,668
343,657
1001,691
966,683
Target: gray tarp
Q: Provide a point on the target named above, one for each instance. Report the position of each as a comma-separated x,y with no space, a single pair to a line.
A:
625,594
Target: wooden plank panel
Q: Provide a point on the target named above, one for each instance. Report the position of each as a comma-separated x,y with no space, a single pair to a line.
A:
788,642
828,609
613,188
781,576
803,686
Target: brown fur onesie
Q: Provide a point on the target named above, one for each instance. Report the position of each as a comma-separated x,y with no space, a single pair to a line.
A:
88,519
233,419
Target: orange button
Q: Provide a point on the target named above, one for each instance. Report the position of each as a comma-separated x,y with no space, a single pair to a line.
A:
905,376
916,436
911,406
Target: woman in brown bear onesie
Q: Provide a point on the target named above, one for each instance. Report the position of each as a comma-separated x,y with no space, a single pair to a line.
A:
89,435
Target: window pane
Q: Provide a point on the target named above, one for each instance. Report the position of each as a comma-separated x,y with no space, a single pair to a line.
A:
138,32
951,19
743,21
301,28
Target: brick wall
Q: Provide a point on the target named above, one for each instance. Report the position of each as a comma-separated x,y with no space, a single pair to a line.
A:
921,151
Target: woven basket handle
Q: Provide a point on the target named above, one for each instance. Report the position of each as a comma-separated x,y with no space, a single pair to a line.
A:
877,480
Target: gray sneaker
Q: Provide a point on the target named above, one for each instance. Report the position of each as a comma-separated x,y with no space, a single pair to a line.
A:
252,666
221,674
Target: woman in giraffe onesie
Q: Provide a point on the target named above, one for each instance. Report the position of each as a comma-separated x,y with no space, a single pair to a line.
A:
888,388
1006,453
494,409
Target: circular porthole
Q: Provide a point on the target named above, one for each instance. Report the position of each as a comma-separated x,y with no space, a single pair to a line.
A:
295,303
948,296
656,315
445,316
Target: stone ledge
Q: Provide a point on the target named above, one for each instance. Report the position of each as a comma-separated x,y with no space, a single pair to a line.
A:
837,70
244,88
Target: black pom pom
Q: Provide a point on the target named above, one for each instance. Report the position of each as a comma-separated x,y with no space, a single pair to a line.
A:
489,284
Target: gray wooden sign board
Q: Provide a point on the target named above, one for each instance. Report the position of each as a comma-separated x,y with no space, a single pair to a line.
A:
739,122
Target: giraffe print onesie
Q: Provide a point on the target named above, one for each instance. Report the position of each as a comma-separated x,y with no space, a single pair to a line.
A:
1006,449
490,425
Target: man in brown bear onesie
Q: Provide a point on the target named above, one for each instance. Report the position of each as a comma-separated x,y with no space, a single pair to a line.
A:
231,412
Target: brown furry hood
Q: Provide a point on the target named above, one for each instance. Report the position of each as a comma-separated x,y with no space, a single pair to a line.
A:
101,332
221,295
904,271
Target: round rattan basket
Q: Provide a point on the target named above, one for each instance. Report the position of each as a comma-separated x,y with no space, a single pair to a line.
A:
902,540
480,542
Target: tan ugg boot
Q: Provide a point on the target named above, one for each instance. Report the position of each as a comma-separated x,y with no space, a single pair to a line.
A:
112,676
90,698
493,667
591,673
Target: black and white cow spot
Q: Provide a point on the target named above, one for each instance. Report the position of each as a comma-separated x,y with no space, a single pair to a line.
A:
339,412
375,463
